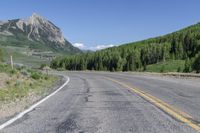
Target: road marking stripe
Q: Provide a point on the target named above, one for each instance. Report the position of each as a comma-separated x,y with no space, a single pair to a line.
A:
33,106
167,105
174,112
171,107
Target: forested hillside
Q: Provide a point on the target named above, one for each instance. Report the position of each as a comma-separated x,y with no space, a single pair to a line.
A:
181,45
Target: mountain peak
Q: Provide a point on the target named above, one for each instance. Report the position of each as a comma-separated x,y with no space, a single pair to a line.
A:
36,29
36,15
36,19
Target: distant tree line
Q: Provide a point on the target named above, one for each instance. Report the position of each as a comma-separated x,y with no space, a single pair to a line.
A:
181,45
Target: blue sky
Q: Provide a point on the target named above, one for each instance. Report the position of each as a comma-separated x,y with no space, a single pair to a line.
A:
94,24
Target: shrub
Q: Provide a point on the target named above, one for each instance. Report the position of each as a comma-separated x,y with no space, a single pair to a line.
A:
187,68
36,75
13,71
30,71
162,69
42,66
31,84
46,77
4,68
179,69
8,82
196,63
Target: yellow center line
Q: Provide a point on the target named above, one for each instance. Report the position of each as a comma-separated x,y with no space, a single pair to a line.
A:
174,112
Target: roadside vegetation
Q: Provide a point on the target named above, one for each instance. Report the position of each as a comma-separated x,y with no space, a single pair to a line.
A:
16,84
167,66
21,87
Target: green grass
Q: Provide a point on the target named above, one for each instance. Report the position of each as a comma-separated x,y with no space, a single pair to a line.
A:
23,82
20,56
167,66
21,90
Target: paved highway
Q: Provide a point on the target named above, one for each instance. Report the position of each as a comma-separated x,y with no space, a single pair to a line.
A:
100,102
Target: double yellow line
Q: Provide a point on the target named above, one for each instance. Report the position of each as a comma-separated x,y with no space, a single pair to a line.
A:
172,111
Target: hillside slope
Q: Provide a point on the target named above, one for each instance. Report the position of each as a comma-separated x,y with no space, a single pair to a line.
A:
181,45
35,33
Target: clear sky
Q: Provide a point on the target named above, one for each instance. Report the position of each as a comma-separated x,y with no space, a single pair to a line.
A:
98,23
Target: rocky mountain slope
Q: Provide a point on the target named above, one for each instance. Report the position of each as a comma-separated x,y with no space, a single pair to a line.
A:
35,32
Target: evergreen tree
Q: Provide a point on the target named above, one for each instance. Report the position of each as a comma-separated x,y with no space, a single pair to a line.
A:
187,66
183,44
196,63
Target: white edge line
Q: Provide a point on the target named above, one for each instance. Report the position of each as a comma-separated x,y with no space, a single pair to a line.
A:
7,123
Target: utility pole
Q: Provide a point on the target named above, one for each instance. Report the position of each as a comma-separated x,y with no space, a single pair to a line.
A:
11,61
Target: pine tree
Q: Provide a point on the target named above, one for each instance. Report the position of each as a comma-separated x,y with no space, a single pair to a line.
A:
196,63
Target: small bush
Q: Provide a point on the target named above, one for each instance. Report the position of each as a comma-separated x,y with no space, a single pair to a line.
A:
196,63
36,75
42,66
46,77
31,84
162,69
188,65
13,71
8,82
30,71
4,68
179,69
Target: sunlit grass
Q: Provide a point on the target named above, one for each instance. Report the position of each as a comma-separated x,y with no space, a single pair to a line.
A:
22,83
167,66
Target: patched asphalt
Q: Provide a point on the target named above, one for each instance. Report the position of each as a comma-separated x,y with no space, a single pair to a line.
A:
91,103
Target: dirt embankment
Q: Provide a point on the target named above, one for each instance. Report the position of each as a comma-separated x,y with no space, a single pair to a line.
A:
184,75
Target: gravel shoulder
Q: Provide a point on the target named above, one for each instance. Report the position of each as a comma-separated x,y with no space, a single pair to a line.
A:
11,108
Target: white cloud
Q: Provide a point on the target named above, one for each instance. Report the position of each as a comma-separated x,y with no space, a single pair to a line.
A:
99,47
79,45
93,48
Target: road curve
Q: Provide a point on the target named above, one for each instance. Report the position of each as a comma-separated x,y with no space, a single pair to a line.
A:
94,102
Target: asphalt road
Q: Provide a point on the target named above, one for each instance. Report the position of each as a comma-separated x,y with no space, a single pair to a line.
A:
102,102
